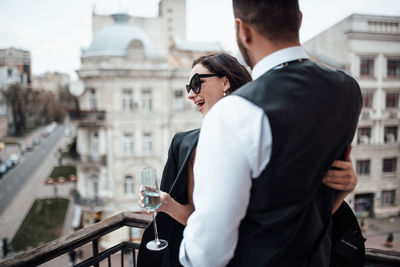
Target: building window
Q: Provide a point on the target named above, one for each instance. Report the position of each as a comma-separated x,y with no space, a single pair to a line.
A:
391,134
178,103
92,100
147,144
367,100
129,188
393,68
392,100
146,101
388,197
389,165
363,167
364,135
95,186
128,145
127,101
95,145
95,189
367,67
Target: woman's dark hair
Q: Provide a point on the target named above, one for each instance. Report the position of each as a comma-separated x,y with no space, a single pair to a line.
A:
224,64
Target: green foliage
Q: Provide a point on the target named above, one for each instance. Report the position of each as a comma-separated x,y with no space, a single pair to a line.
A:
43,223
63,171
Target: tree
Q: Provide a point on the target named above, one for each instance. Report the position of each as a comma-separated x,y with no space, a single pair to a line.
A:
16,97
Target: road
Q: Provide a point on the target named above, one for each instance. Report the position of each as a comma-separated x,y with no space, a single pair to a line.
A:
16,178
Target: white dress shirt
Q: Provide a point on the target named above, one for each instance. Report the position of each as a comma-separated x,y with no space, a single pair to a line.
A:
234,146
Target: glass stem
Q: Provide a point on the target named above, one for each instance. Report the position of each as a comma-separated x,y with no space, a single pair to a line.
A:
155,228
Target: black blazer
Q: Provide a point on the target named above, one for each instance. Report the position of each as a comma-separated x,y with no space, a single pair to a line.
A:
174,181
347,240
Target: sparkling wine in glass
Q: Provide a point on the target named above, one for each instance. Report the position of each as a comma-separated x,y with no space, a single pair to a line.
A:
152,202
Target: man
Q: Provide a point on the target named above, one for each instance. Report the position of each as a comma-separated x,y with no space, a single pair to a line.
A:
263,151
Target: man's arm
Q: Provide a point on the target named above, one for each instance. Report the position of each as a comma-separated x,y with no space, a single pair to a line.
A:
228,155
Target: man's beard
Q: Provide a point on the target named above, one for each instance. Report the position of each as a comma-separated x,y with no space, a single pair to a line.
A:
244,51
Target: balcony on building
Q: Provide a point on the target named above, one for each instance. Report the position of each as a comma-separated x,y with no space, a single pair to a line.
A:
92,160
88,118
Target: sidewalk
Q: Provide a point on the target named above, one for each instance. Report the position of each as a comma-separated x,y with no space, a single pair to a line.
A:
377,232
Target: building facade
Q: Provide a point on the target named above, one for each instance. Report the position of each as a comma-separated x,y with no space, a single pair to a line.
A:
133,103
368,47
15,67
50,82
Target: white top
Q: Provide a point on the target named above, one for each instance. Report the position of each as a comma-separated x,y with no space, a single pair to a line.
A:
234,146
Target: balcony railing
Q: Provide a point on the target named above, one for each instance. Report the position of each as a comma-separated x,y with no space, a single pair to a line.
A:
88,117
92,160
92,233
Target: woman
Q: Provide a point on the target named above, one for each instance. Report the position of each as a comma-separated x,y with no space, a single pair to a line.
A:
212,78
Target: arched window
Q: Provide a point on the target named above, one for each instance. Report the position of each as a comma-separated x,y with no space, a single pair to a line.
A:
136,49
129,186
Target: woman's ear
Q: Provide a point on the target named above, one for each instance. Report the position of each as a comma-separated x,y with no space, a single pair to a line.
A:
227,85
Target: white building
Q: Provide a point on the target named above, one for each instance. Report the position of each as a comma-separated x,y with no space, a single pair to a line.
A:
368,47
133,103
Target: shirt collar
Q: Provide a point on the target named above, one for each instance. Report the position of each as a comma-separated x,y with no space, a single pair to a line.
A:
276,58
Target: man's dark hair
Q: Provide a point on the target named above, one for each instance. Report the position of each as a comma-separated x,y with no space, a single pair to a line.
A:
226,65
276,20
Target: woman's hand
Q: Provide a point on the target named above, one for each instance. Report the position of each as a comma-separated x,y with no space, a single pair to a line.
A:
166,201
170,206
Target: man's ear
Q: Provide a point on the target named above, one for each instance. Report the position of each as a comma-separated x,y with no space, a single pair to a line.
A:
243,31
300,19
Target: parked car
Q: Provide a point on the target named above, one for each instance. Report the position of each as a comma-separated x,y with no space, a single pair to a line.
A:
14,158
3,169
36,142
29,147
9,163
67,132
45,134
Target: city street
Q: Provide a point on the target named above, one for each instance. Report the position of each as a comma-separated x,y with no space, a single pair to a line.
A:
23,184
17,177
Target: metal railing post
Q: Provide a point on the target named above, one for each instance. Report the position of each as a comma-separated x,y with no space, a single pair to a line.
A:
95,247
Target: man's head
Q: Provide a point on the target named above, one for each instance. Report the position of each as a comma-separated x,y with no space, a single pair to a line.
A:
275,21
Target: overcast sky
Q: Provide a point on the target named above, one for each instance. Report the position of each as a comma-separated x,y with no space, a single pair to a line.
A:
55,30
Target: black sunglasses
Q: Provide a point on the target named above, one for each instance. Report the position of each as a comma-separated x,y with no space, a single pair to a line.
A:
195,83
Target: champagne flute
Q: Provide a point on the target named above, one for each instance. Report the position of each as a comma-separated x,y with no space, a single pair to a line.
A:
152,202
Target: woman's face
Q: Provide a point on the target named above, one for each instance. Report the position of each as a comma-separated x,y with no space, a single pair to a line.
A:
212,89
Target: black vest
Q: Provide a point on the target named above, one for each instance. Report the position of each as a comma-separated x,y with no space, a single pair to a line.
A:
313,113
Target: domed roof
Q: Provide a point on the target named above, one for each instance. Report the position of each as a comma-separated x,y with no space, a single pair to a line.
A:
114,40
